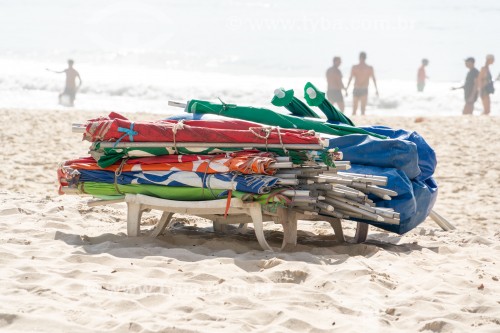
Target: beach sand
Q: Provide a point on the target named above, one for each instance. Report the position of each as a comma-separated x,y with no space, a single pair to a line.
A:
66,267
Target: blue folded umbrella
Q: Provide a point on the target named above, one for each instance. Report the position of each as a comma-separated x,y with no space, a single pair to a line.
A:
426,156
388,153
258,184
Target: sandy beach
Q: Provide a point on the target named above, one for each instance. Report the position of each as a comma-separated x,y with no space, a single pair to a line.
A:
70,268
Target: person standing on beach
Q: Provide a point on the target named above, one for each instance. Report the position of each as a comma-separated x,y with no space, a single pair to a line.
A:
470,86
67,97
422,76
335,84
485,84
361,74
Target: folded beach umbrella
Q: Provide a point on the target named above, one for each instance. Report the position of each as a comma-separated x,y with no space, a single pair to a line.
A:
257,184
106,157
314,97
268,117
113,191
426,157
388,153
246,162
287,99
117,128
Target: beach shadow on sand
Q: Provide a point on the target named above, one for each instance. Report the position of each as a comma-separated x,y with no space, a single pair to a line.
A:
187,243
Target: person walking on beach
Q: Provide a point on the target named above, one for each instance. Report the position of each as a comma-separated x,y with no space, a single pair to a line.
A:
422,76
335,84
470,86
485,84
361,74
67,97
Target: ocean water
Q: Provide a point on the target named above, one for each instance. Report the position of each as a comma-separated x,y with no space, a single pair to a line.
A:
137,55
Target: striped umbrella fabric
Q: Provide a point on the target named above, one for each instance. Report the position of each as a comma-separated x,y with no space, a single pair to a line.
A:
245,162
117,128
106,157
257,184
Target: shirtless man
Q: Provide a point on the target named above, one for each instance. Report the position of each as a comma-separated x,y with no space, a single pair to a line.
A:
485,84
335,84
362,74
70,88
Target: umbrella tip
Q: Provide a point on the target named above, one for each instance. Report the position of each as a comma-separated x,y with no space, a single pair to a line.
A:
311,92
279,93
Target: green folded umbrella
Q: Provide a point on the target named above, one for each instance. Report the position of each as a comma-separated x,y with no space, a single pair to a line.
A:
287,99
159,191
112,191
108,156
314,97
268,117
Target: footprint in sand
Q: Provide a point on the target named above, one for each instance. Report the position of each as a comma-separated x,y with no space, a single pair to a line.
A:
288,276
9,211
6,319
269,263
437,326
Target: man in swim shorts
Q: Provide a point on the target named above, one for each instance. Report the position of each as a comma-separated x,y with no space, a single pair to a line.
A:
361,73
67,97
335,84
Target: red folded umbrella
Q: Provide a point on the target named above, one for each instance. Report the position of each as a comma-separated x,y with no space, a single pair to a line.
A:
118,128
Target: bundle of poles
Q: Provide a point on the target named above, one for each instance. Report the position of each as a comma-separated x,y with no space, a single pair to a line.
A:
342,194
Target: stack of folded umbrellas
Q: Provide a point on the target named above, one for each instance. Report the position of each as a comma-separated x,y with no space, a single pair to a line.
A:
191,160
195,160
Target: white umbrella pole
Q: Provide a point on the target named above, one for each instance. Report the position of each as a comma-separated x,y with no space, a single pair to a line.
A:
177,104
334,214
325,206
382,190
304,199
372,181
295,193
283,175
348,207
441,221
288,182
374,210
